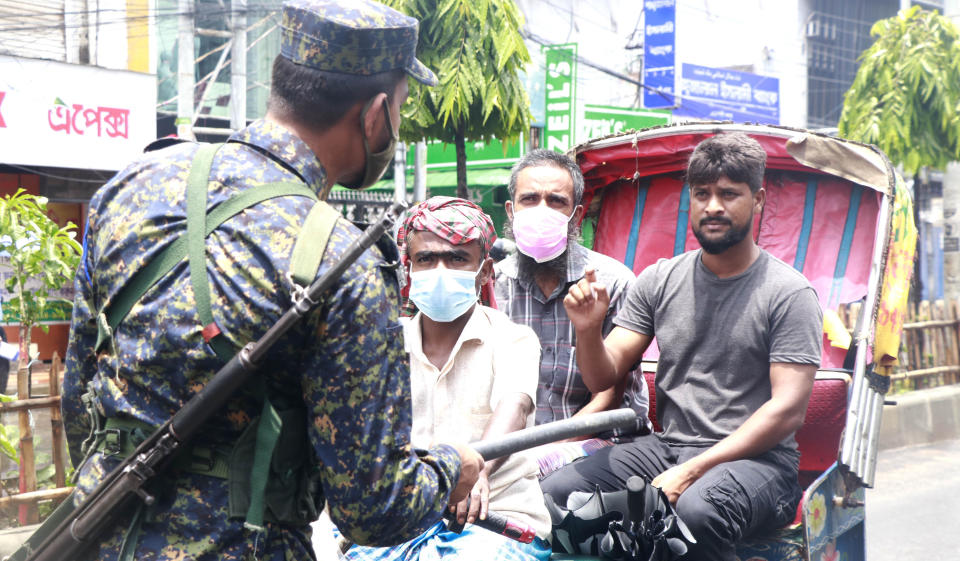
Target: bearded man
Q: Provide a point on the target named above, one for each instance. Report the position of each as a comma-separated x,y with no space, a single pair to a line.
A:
740,342
544,214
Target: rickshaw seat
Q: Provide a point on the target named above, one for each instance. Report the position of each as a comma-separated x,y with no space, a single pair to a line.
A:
819,437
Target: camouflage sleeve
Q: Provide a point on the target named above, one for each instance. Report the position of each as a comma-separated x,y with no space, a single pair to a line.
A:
80,364
379,490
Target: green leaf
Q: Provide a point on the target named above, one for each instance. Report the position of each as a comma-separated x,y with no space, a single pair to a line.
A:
43,255
904,96
477,50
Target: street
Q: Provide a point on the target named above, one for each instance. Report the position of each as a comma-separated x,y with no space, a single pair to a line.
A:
913,511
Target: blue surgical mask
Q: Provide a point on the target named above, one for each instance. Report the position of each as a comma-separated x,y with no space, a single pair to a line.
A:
443,295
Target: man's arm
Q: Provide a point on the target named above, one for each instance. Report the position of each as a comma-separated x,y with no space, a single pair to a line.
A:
602,361
774,421
80,363
511,415
608,399
612,398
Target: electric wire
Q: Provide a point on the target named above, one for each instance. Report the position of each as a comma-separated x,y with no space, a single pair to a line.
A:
34,171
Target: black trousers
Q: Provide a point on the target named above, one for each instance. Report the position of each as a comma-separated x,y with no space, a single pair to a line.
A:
732,501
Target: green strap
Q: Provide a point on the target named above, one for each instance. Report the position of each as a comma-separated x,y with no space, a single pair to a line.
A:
312,242
130,294
304,263
268,431
197,183
132,536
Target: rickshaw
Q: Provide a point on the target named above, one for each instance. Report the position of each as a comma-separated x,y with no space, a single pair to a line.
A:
837,212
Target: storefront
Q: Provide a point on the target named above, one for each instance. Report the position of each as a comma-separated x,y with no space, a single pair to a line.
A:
64,130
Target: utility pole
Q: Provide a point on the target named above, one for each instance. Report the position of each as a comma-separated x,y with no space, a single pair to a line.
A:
400,172
238,67
951,201
420,172
185,72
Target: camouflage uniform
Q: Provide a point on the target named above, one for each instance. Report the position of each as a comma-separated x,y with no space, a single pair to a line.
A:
345,359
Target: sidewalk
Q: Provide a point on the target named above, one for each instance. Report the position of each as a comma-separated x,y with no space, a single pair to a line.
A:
921,417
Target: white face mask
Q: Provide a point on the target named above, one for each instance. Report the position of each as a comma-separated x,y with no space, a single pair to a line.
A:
443,295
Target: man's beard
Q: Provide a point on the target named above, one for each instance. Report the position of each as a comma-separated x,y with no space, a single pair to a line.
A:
527,267
730,238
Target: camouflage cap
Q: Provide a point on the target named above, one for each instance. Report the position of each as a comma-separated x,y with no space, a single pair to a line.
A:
351,36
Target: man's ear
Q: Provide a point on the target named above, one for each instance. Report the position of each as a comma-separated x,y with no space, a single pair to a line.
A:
508,206
577,215
486,272
759,198
373,120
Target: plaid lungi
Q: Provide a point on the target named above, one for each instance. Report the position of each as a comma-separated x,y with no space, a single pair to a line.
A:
473,544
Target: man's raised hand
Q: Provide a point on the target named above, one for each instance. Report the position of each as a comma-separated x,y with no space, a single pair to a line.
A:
587,302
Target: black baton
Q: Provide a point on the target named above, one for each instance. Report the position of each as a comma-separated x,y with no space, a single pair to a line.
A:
530,438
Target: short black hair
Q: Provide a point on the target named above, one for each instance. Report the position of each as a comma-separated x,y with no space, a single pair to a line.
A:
541,158
319,98
734,155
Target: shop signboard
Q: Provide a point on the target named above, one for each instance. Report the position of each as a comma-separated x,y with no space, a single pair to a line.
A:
74,116
728,95
603,120
561,96
480,155
659,53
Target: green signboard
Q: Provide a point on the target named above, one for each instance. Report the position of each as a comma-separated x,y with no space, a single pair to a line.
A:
603,120
561,96
480,155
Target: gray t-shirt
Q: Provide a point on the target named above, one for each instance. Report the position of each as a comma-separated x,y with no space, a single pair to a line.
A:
717,338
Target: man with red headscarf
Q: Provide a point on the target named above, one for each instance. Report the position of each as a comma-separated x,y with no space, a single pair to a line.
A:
473,375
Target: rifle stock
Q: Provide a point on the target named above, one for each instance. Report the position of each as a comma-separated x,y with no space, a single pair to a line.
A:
74,530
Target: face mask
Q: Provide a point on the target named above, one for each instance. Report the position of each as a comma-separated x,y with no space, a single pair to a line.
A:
443,295
541,232
376,164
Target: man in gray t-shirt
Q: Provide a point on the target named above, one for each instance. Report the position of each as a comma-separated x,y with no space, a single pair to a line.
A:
740,341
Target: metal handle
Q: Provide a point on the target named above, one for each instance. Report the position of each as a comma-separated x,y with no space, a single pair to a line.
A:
551,432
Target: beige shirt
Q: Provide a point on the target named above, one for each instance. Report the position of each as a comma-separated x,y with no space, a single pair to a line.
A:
493,358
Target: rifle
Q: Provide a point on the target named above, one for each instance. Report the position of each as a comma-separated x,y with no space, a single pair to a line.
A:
75,529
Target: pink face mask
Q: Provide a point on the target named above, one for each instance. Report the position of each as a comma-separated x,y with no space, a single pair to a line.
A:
540,232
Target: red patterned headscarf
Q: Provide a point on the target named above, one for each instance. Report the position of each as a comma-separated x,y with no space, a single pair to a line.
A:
457,221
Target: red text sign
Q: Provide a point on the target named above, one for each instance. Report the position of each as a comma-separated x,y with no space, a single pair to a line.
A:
111,121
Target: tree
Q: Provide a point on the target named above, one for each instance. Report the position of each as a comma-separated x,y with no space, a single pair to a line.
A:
476,49
905,97
42,256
